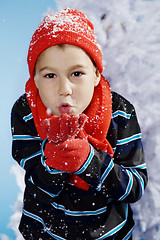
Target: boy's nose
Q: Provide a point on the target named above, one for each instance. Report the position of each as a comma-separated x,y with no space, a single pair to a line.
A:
65,88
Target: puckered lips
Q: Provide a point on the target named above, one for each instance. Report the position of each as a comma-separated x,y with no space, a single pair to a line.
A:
65,108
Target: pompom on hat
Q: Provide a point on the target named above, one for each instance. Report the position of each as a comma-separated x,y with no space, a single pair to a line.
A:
68,26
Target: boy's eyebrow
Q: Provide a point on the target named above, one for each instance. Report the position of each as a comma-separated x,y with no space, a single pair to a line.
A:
78,66
71,68
45,68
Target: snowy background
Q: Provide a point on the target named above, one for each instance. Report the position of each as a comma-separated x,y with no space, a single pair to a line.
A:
129,34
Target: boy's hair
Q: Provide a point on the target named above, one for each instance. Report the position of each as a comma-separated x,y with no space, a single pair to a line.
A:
63,45
68,26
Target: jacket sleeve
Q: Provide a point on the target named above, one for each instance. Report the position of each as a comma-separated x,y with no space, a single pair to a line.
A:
27,150
123,177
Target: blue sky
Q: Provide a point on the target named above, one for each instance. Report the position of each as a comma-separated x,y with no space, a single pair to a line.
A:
18,20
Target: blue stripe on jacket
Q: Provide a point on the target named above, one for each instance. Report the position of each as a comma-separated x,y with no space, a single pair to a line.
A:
37,218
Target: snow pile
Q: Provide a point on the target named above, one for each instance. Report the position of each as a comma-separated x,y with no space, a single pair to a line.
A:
4,237
17,208
128,32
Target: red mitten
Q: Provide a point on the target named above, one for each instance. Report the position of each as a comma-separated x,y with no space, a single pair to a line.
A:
67,156
59,129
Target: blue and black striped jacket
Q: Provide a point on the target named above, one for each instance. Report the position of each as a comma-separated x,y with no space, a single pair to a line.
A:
54,208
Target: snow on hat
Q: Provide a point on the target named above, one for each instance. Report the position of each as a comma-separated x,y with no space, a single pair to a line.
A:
68,26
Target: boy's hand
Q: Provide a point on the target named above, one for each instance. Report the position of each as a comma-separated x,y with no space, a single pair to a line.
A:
67,156
63,150
59,129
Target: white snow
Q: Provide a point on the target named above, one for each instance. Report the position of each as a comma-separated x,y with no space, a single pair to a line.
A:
49,111
4,237
129,35
17,208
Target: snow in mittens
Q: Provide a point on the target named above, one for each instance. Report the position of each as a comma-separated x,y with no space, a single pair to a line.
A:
129,34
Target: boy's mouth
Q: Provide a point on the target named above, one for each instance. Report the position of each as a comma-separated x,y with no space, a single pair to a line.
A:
65,108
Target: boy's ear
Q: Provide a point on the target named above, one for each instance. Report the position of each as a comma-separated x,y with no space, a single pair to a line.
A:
98,77
36,80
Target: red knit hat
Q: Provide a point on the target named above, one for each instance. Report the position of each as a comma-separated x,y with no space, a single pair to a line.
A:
68,26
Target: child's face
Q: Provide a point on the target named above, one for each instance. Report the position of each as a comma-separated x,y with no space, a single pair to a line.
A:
66,78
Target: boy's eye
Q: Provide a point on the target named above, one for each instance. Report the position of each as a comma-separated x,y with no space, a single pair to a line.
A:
50,75
77,74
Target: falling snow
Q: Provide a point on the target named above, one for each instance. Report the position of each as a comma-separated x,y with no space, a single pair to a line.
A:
128,32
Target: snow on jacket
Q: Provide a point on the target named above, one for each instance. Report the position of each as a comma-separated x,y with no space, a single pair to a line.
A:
56,209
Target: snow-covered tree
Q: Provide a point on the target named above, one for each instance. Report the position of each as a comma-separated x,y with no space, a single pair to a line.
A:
129,34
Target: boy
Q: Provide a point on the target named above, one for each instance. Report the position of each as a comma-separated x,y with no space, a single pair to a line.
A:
79,143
